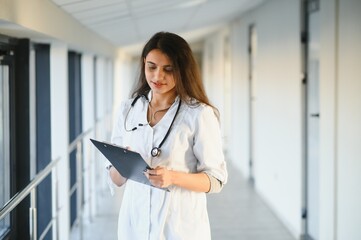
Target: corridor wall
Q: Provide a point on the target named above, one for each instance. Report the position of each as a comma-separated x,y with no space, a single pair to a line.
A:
88,122
277,141
349,119
278,149
340,152
60,136
214,76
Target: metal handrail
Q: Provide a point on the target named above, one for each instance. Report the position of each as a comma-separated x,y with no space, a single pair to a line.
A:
18,197
73,144
31,187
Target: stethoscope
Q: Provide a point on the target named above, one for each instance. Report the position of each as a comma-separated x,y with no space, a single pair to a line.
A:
155,152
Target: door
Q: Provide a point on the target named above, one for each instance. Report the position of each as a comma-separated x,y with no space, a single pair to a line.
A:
312,121
252,53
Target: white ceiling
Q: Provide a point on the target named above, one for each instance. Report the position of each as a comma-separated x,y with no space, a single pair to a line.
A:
129,22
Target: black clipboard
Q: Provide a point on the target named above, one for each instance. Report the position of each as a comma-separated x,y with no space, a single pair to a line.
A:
129,164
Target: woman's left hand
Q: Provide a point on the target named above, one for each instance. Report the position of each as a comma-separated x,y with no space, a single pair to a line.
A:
159,177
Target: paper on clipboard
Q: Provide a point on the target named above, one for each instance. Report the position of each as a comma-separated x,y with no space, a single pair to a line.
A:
129,164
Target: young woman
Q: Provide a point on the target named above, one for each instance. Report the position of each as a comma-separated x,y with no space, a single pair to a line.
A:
171,123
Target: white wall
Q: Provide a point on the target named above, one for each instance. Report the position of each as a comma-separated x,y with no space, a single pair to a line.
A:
328,76
60,136
214,69
103,106
100,80
104,81
214,77
239,149
348,156
277,109
88,118
125,77
340,152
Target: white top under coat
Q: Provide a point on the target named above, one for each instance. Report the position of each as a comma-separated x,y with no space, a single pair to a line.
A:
193,145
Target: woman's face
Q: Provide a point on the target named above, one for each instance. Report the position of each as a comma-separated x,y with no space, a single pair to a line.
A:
159,72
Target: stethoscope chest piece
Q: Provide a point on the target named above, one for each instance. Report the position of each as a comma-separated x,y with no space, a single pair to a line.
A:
155,152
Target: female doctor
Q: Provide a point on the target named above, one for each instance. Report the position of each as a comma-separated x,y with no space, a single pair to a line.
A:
171,123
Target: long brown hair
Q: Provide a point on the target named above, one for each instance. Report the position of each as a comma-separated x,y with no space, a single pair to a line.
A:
188,82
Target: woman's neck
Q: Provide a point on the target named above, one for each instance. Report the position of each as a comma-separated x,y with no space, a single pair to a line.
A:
158,106
160,101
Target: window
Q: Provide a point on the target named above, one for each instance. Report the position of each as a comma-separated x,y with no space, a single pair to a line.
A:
4,144
14,133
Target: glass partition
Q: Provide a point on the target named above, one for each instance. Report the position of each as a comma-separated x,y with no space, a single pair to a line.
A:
4,145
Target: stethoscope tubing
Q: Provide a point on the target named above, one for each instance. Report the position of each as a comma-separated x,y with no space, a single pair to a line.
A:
155,152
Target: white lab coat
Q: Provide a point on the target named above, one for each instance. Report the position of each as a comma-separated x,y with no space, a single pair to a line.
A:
193,145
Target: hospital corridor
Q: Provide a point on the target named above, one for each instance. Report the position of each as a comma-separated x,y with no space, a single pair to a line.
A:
284,75
237,213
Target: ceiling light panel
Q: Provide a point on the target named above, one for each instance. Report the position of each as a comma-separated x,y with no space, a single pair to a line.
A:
81,6
143,8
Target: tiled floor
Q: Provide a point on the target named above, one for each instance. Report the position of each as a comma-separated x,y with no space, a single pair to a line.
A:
104,225
236,214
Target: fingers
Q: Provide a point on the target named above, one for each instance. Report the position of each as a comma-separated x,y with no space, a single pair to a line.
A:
158,177
156,172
